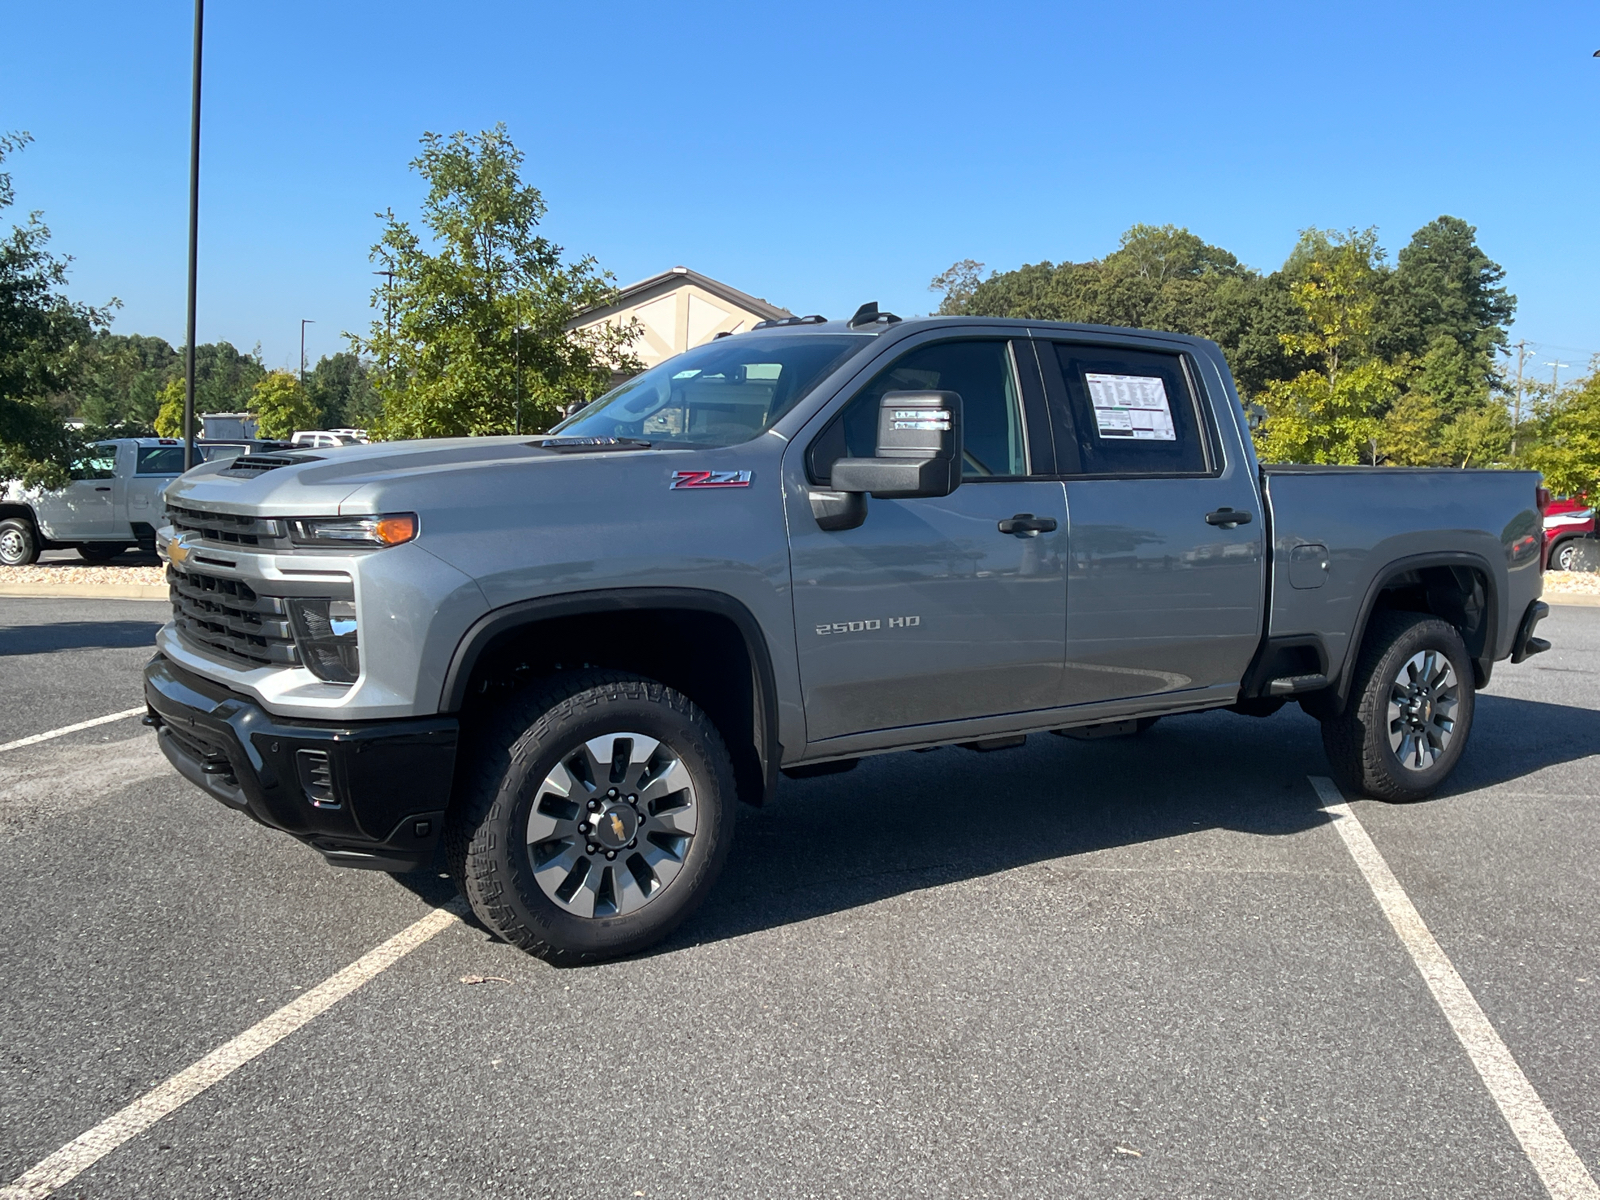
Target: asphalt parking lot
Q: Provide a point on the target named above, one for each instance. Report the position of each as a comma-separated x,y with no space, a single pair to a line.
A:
1136,968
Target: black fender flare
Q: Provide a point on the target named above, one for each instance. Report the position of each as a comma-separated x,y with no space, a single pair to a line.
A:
572,604
1482,665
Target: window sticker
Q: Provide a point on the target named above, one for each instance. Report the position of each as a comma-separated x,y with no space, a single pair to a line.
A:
1131,406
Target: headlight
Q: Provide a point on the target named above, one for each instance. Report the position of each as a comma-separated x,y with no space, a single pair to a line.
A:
388,530
327,636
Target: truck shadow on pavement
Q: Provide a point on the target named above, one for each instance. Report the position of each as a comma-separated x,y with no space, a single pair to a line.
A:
904,822
77,635
900,823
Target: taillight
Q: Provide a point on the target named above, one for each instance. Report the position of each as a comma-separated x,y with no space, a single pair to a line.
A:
1541,497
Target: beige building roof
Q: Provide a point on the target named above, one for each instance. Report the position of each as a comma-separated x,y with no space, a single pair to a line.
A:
678,309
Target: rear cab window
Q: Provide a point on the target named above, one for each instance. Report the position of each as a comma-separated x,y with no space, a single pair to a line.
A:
1125,412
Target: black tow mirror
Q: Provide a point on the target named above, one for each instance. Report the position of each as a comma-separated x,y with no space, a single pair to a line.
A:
919,449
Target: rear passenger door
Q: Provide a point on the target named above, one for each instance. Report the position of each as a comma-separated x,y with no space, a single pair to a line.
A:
929,612
1160,597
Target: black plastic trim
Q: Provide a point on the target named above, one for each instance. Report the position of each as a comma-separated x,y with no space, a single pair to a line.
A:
392,777
527,612
1416,562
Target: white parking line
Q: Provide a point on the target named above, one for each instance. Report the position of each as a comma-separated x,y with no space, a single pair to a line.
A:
1559,1168
66,729
78,1155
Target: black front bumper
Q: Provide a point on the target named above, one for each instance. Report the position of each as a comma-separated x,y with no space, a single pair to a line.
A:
366,794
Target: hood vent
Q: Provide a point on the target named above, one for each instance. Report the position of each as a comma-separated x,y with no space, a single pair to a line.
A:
254,464
574,445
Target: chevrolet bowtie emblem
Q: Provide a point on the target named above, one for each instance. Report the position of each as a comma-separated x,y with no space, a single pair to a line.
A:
616,827
177,551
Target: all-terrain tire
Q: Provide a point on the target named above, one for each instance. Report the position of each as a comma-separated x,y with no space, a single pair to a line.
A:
19,542
506,763
1358,740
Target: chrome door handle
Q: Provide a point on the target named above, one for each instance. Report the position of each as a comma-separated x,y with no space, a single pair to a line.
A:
1228,517
1027,525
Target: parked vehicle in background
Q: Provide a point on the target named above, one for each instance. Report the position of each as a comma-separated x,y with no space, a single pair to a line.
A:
359,435
113,501
567,655
1568,523
326,439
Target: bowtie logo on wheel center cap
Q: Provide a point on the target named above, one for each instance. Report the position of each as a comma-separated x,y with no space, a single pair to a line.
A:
615,826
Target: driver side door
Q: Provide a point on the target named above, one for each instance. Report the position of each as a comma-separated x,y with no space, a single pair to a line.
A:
928,612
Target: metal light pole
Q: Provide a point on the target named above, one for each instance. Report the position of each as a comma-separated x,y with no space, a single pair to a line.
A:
388,303
304,321
194,236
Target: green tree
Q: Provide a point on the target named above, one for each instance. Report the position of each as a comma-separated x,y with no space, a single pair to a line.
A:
281,406
340,387
41,332
1329,414
452,364
1159,277
169,410
1566,444
120,385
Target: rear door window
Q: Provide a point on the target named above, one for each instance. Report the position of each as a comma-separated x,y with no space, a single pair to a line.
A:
1124,412
993,441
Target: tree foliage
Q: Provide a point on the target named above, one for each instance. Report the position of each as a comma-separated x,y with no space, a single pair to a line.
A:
281,406
1566,441
41,334
340,387
1352,358
449,359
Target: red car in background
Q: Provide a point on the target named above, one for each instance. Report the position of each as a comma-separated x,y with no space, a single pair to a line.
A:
1566,523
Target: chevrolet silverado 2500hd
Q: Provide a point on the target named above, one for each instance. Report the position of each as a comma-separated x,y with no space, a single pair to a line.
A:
567,655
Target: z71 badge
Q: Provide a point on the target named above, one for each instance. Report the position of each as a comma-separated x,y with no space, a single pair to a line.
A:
710,479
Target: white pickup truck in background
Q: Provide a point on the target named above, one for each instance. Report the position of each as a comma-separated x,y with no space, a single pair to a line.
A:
113,501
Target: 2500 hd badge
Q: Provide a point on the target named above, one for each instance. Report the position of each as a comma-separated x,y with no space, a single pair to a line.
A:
866,626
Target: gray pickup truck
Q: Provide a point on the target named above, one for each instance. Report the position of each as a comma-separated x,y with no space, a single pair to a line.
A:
559,659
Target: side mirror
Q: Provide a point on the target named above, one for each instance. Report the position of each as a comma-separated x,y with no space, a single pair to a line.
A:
919,449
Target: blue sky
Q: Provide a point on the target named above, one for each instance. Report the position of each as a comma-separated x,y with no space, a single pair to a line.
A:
818,155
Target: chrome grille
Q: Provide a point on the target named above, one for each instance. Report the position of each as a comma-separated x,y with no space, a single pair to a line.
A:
227,529
227,618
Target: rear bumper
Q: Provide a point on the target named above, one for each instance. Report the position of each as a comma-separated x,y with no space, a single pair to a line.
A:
365,794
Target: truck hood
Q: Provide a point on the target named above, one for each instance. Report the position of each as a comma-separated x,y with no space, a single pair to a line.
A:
406,476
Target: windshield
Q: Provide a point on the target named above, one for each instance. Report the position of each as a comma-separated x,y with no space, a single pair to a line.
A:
720,394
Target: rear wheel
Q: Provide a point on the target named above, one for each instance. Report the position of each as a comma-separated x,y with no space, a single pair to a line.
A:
96,552
596,817
19,544
1410,710
1564,555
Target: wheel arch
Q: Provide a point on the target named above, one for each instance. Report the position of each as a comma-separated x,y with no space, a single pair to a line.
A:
704,644
10,508
1446,585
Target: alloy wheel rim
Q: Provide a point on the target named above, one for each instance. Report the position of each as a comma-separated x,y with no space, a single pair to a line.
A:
611,825
1422,707
1565,555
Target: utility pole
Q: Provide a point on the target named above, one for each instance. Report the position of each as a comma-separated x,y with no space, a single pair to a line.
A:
1522,348
1555,375
194,236
304,321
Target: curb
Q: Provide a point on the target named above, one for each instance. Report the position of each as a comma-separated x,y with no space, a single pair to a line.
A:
1575,599
87,591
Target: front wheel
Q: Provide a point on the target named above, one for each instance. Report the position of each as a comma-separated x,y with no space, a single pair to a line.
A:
19,544
1410,709
595,819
